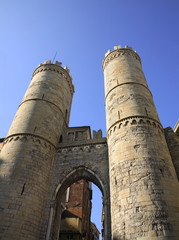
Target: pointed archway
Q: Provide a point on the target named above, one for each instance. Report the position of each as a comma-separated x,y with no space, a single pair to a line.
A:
76,174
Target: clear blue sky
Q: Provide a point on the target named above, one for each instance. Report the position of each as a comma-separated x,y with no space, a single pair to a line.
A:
81,31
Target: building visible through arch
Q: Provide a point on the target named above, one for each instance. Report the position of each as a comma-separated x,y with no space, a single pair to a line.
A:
136,166
76,216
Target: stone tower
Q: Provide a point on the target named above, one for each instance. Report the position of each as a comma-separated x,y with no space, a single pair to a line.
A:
143,182
29,149
135,169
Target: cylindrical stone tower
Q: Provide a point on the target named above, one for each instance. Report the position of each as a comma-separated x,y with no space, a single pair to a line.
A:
143,183
28,153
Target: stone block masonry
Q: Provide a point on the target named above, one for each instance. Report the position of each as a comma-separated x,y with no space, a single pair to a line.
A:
27,156
135,167
143,182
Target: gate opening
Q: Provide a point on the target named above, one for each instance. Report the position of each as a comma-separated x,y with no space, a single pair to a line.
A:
81,203
63,212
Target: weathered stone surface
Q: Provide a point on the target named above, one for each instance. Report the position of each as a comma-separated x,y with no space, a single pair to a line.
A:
143,183
28,152
172,139
134,168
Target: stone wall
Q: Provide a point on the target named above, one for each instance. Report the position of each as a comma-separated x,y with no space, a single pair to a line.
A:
143,182
172,139
79,159
135,169
29,149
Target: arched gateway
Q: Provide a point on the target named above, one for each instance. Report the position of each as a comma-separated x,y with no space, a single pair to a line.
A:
135,169
85,158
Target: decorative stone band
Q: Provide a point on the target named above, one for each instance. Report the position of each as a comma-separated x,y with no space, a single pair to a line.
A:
82,148
134,120
118,85
41,99
59,70
119,52
29,136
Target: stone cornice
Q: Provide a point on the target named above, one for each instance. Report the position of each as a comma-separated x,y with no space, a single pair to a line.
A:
42,99
134,120
27,136
118,85
89,142
81,147
119,52
59,70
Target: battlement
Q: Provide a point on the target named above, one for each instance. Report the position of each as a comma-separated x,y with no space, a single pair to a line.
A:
120,51
119,47
80,135
56,63
57,67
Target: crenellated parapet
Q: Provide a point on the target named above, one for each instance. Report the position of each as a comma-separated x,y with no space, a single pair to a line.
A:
119,51
57,67
80,137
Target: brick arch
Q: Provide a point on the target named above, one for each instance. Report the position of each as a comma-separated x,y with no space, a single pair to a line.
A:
80,172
